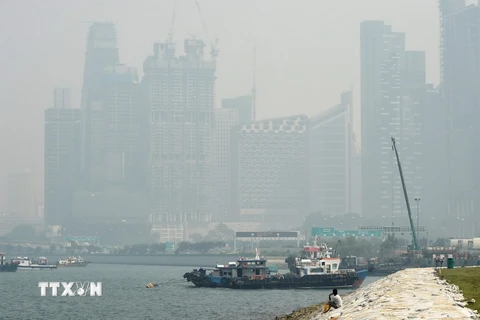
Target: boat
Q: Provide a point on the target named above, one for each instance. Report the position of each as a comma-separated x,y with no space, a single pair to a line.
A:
254,273
25,263
72,262
5,266
375,268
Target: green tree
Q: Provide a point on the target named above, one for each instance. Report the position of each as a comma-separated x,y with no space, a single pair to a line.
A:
196,237
53,248
158,248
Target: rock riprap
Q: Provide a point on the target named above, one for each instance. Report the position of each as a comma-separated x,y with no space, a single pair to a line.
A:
407,294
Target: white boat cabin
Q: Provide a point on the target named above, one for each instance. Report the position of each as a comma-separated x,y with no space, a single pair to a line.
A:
313,267
22,261
251,268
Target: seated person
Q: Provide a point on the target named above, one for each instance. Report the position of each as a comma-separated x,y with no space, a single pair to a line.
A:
334,299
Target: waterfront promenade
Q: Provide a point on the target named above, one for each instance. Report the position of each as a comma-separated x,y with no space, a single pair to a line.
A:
408,294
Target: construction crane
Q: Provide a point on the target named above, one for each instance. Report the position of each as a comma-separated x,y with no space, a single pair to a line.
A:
213,46
415,242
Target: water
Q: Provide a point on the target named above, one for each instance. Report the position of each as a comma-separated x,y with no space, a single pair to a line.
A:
125,296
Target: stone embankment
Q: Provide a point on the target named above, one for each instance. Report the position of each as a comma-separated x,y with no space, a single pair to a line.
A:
407,294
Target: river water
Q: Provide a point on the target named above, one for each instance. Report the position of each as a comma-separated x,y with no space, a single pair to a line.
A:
124,296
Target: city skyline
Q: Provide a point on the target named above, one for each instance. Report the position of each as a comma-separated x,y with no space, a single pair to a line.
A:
314,94
153,136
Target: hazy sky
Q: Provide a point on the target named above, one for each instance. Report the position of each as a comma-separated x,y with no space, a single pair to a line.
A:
307,53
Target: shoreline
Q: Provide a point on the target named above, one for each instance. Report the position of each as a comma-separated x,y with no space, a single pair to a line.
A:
416,293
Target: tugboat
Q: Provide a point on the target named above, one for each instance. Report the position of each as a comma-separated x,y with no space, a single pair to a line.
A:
72,262
24,263
254,274
5,266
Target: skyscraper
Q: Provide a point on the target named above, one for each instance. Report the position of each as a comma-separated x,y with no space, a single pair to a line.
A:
62,158
233,111
101,52
388,109
460,26
119,183
330,143
181,100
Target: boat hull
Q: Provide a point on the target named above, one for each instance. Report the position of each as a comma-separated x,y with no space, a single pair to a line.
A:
324,281
37,267
11,267
77,264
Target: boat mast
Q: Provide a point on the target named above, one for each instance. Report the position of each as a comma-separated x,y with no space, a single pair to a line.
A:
257,254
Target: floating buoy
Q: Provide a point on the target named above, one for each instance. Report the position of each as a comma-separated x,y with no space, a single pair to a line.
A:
152,285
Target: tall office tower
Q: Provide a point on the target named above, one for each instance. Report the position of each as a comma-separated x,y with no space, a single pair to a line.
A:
101,52
233,111
330,135
21,191
461,80
62,158
120,153
181,100
272,166
446,7
411,124
382,58
225,120
435,194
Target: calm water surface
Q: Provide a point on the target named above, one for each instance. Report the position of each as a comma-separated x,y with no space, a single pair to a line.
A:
125,296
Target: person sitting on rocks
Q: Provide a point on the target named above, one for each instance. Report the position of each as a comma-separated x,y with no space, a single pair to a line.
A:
334,299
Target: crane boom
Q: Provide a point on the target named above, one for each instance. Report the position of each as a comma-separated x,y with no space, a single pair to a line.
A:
415,242
213,46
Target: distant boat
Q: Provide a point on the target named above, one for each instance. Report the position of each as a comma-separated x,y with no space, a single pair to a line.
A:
5,266
72,262
24,263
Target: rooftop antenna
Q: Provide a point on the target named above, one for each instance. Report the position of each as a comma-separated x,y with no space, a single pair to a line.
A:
254,87
170,33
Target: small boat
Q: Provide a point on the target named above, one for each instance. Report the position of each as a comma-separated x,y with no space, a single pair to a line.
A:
5,266
254,274
24,263
72,262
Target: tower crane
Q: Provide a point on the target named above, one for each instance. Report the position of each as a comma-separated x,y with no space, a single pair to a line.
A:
415,242
213,45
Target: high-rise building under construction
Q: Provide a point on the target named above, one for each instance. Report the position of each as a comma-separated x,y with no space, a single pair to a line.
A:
180,94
